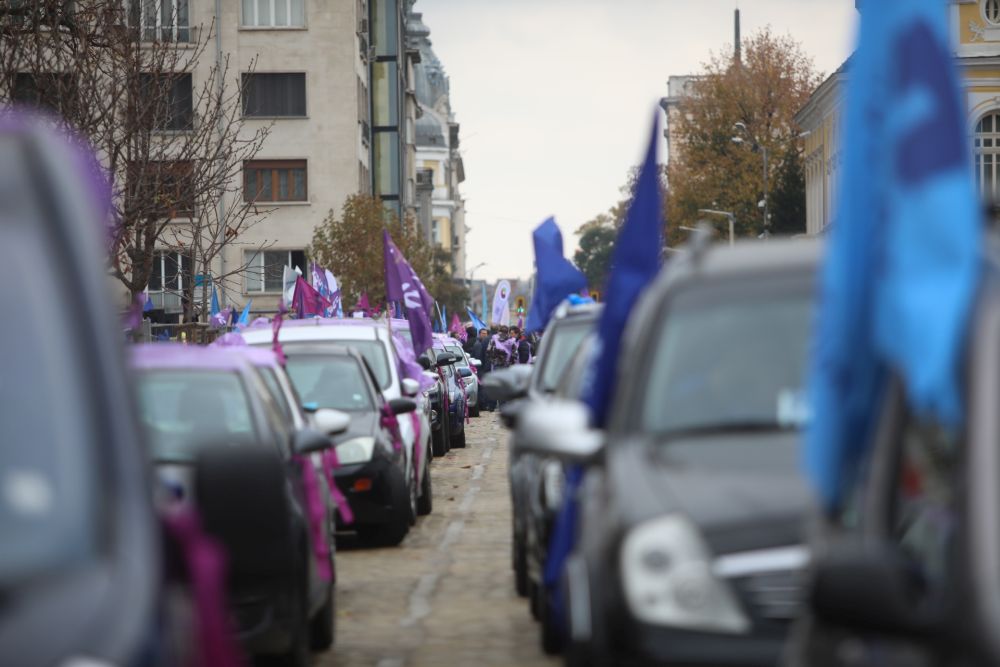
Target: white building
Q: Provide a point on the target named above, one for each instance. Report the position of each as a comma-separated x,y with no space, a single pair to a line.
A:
304,64
439,166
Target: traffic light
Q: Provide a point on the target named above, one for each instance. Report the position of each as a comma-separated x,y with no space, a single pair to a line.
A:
519,305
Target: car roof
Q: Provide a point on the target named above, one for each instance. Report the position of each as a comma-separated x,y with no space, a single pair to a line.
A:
770,256
318,329
176,355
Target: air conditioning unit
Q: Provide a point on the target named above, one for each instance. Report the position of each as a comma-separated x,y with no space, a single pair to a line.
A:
363,26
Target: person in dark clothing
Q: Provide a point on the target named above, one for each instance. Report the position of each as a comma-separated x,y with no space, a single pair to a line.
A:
470,339
479,352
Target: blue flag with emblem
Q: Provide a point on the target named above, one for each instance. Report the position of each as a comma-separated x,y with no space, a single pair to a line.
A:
215,302
635,262
901,264
556,277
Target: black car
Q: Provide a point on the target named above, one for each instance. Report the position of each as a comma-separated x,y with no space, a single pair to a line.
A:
691,543
441,438
372,472
561,342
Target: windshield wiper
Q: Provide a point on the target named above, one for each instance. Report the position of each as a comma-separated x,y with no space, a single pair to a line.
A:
723,428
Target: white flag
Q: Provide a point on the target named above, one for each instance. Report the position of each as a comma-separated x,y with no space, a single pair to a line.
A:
288,277
501,311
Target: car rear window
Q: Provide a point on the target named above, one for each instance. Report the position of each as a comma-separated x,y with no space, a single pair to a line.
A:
372,350
565,340
184,410
330,381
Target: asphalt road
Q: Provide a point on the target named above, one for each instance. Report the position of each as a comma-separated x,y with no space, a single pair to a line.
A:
446,595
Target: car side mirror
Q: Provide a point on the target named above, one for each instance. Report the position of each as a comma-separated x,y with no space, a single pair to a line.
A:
401,406
308,441
475,362
241,497
331,422
560,428
465,372
511,411
869,587
445,359
508,383
410,387
424,362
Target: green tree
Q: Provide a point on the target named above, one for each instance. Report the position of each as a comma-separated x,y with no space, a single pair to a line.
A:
763,92
593,257
351,247
788,198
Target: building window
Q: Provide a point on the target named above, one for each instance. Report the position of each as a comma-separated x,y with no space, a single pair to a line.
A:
385,89
160,20
275,180
991,10
987,150
170,101
163,190
386,163
274,13
52,91
274,95
265,268
169,279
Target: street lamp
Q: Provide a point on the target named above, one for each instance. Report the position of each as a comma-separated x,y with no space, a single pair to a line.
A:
757,147
724,214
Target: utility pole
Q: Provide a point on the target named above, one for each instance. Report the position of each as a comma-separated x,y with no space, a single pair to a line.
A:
756,147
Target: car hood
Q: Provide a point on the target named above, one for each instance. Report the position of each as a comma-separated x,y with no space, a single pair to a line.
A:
362,424
744,492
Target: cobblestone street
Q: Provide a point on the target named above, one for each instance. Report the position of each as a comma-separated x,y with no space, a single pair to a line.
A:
446,596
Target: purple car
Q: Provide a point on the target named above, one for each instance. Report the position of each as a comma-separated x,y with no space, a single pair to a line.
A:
192,396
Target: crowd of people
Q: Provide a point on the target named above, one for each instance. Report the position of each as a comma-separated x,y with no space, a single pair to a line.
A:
499,347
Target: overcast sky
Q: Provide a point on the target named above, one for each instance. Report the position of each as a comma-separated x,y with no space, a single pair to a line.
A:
555,97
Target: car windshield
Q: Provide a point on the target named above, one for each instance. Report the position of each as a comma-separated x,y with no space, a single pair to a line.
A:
565,340
457,351
50,446
330,381
729,356
184,410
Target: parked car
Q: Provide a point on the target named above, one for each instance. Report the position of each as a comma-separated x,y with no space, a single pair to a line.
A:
544,493
906,570
373,470
466,366
373,341
690,542
439,397
190,396
456,406
88,570
569,326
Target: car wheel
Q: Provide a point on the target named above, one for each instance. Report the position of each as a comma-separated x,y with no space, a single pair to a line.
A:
458,441
520,567
425,504
298,650
413,490
391,533
321,629
552,640
438,442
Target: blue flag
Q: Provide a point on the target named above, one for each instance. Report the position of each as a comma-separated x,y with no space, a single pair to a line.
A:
486,310
556,277
244,319
902,260
215,302
634,264
635,261
476,322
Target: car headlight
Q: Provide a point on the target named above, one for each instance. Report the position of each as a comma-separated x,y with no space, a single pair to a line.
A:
356,450
668,579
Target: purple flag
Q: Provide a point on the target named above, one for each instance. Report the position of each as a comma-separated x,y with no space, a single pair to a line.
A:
457,328
306,301
403,285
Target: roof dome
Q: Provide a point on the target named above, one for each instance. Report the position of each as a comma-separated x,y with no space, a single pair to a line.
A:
430,130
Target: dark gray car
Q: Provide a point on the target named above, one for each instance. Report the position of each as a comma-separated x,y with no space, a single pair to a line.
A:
690,539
